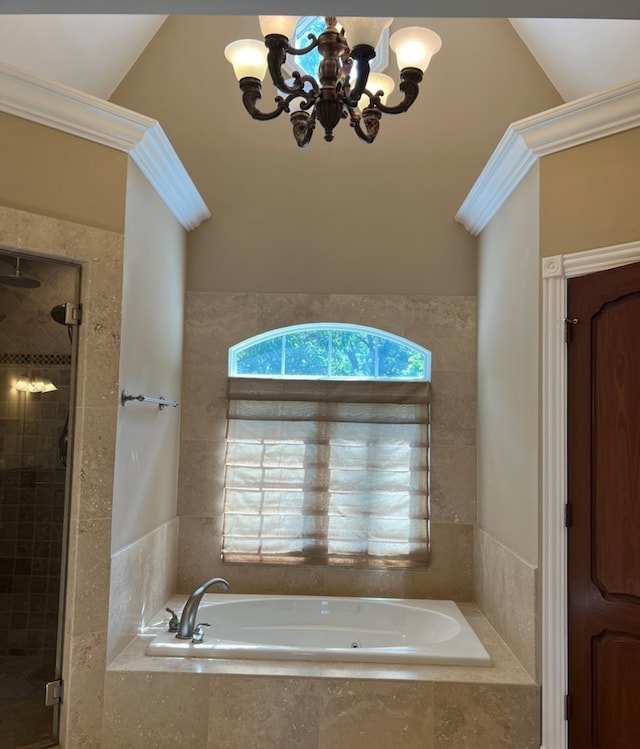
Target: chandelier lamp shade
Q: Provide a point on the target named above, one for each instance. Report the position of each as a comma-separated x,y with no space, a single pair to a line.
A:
341,90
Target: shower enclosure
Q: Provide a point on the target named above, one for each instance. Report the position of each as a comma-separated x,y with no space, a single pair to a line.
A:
38,342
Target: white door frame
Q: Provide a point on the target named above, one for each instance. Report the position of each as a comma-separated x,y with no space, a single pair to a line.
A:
555,272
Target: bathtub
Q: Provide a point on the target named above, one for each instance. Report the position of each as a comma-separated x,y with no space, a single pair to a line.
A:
378,630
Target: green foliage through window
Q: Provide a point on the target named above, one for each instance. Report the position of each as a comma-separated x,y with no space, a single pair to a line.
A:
330,351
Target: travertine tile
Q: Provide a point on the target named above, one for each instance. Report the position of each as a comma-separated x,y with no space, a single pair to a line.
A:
99,355
204,402
281,310
263,713
142,580
84,689
201,478
453,484
490,584
102,276
450,571
521,613
214,321
274,579
9,227
387,583
506,592
474,716
372,715
453,419
61,238
163,711
91,542
94,462
199,551
447,326
382,311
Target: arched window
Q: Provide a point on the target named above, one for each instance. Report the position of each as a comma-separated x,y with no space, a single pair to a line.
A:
308,64
327,458
330,351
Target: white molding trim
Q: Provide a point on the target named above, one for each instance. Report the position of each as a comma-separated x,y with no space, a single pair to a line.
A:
526,141
74,112
555,272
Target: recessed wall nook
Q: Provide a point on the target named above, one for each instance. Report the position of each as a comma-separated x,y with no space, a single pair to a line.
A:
145,507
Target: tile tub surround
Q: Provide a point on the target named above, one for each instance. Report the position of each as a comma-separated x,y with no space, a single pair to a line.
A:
446,325
506,593
320,706
142,579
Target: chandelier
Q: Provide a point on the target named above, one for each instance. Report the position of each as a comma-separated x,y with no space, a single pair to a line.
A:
332,95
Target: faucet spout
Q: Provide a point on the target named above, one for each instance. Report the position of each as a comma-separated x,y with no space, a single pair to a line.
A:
190,610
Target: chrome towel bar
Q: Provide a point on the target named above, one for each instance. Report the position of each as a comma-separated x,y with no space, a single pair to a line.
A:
161,402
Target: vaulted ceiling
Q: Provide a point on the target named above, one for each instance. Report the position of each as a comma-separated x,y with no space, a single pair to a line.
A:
93,52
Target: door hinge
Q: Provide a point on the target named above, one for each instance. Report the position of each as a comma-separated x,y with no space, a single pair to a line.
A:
568,516
568,323
566,706
72,313
53,692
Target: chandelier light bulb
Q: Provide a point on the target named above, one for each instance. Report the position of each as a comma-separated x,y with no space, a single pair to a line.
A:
414,47
283,25
377,82
248,57
368,31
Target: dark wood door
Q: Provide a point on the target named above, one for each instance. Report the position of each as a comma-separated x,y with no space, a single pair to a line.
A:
604,508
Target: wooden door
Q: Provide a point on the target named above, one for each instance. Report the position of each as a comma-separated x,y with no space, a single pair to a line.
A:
604,509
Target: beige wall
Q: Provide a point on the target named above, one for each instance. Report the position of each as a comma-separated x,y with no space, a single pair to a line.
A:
61,175
150,363
506,535
508,310
589,195
390,205
144,524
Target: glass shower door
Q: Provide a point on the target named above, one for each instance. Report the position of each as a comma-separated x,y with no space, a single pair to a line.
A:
37,353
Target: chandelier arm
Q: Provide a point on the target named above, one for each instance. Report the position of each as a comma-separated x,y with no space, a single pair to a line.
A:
251,93
304,50
371,118
410,79
362,54
303,125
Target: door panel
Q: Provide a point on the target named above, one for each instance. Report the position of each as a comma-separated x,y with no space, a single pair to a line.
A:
603,455
616,448
616,659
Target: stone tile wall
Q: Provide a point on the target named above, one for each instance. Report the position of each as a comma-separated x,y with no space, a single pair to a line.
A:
506,593
87,596
135,593
312,705
446,325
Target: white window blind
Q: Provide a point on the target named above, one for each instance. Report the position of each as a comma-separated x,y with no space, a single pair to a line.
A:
327,472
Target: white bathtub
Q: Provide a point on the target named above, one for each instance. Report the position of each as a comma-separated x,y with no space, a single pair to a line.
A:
380,630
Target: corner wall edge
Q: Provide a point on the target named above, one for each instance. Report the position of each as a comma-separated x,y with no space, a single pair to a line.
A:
77,113
526,141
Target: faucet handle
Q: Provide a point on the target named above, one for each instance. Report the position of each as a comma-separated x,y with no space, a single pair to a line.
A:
198,632
174,622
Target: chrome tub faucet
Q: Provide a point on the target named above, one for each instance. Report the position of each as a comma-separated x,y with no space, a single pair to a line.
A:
187,623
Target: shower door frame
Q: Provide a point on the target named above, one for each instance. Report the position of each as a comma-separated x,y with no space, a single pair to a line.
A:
64,552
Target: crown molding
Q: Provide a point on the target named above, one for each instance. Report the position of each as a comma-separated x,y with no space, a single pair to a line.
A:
142,138
526,141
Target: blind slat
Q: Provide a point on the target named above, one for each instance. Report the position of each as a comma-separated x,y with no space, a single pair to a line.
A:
327,472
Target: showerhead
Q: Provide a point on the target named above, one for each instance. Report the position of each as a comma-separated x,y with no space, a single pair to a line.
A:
59,313
18,280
